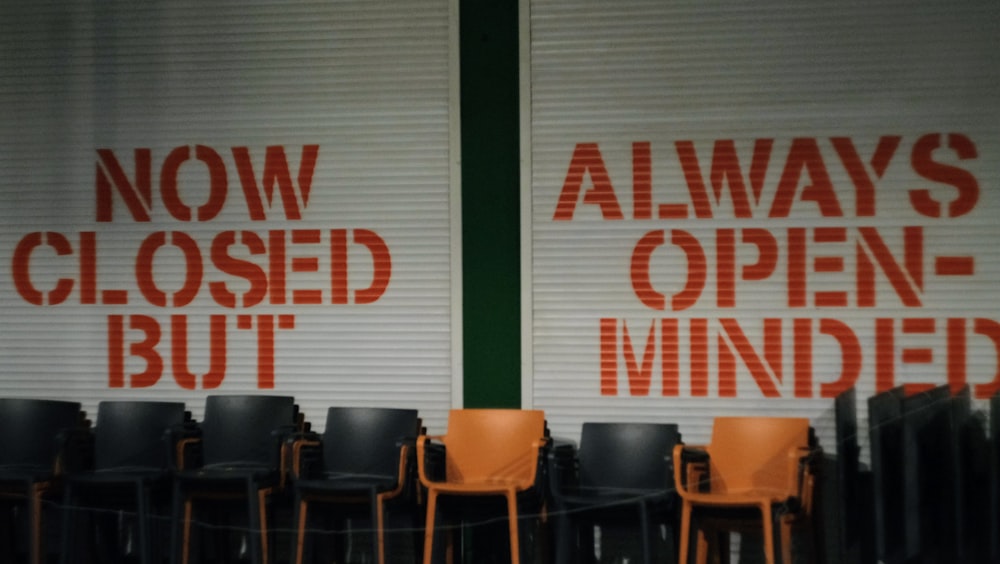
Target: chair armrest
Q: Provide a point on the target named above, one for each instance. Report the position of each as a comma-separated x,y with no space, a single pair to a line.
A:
188,453
691,469
303,455
431,457
805,463
181,443
404,471
282,455
408,480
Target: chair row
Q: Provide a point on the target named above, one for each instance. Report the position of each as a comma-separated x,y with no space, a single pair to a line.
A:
254,459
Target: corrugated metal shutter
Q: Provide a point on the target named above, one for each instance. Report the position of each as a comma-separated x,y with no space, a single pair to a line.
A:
875,127
311,145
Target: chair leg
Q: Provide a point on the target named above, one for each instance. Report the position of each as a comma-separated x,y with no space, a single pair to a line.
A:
565,536
379,516
301,517
265,541
768,529
254,528
143,523
176,542
258,523
67,543
786,542
515,545
429,525
685,536
705,545
186,542
35,526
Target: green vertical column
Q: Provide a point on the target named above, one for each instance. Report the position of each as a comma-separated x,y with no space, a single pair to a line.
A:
488,49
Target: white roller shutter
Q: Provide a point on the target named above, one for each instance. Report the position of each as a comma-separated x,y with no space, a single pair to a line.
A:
756,204
261,192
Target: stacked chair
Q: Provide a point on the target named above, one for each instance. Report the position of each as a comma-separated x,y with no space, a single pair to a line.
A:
40,441
621,475
930,463
932,493
885,420
364,462
757,473
242,458
134,456
852,484
487,453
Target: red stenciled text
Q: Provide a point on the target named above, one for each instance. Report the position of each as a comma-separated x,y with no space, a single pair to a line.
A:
191,268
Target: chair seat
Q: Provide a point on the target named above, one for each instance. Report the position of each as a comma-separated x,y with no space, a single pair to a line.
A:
596,498
222,475
745,497
347,484
121,475
497,487
22,472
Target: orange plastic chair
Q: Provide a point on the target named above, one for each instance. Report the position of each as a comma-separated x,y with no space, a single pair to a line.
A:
488,452
752,463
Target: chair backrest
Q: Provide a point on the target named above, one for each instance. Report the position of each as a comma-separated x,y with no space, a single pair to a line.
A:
972,450
627,455
484,444
244,429
848,467
29,429
943,472
753,453
364,440
928,471
885,427
134,434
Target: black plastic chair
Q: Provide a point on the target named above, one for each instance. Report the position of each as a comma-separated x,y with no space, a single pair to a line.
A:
241,459
134,455
944,472
39,439
929,516
854,541
885,427
366,460
624,474
972,450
